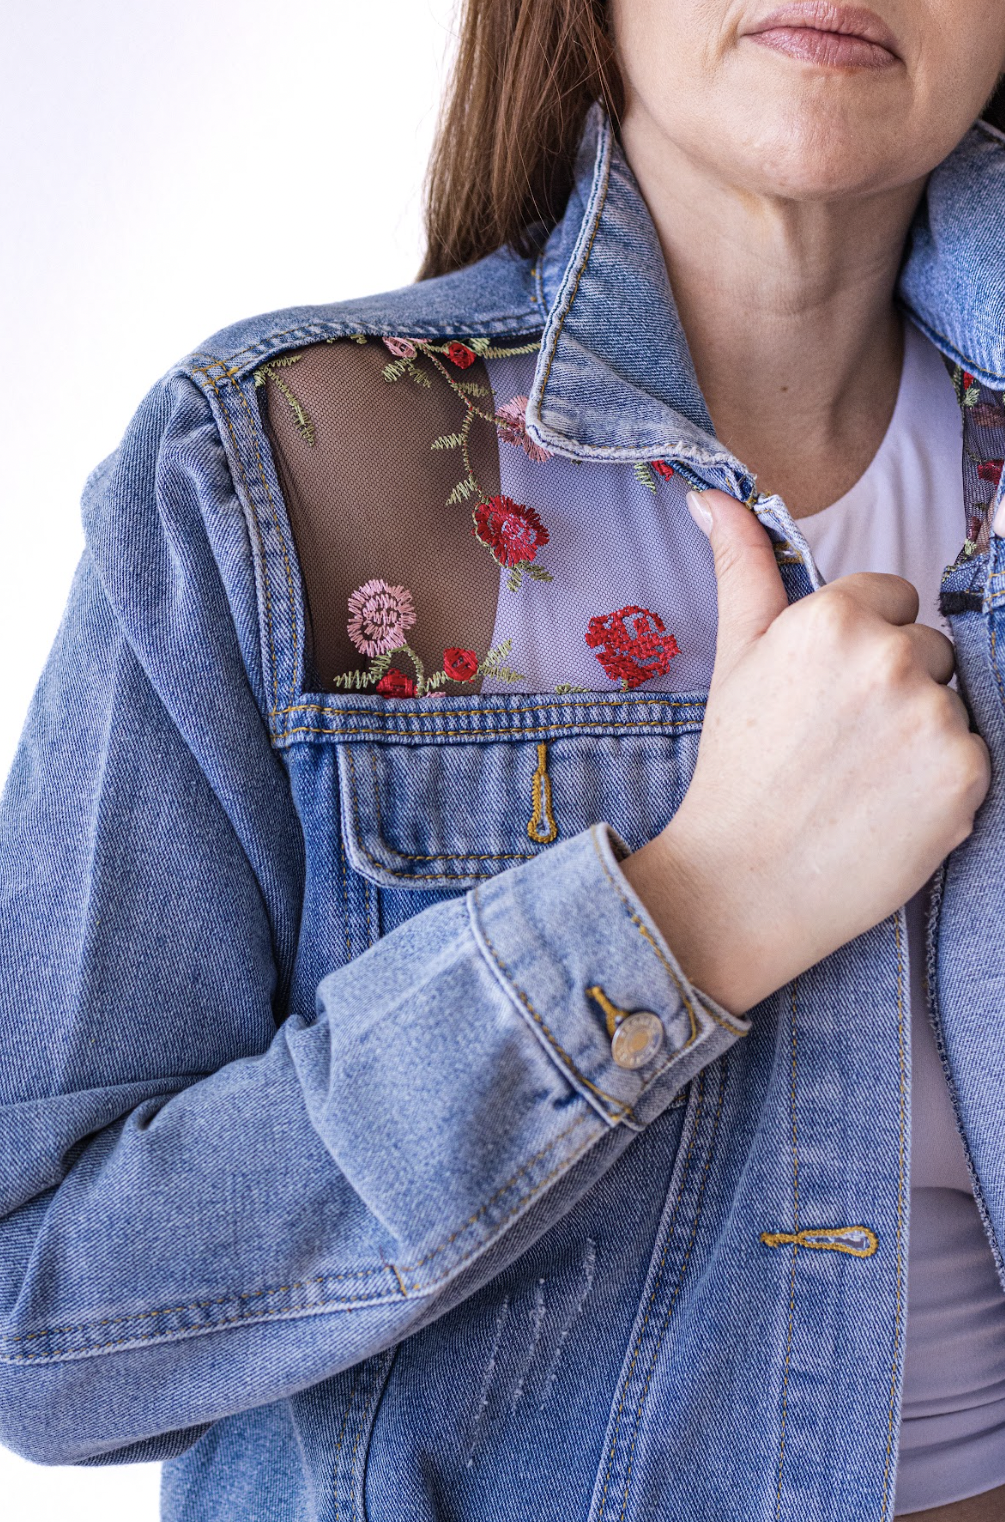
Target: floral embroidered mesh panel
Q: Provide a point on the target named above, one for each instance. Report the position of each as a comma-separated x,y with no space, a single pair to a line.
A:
444,552
983,451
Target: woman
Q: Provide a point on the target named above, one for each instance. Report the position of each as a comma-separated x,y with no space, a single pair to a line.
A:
436,1086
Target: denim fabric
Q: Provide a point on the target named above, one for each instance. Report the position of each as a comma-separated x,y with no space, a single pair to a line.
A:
319,1178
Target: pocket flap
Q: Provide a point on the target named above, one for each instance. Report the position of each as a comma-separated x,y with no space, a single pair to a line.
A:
443,815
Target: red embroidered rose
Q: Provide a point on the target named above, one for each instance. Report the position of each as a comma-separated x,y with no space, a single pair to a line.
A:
632,645
460,355
968,380
990,470
662,468
396,685
460,665
512,532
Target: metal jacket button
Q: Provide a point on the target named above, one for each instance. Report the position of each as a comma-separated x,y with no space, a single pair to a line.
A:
637,1039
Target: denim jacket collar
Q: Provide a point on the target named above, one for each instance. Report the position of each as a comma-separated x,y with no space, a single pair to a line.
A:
615,378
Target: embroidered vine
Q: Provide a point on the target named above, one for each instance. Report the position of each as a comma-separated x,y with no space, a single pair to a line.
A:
631,643
270,372
983,455
510,531
379,618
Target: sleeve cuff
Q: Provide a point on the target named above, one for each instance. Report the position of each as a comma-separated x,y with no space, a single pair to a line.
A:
578,955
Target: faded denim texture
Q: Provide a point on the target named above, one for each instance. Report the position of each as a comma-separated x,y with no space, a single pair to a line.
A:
318,1176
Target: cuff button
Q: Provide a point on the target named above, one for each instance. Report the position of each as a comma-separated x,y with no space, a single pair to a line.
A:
637,1039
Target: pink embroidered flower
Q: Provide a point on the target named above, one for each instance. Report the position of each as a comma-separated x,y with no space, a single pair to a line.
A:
662,468
460,665
512,532
396,685
379,616
460,355
988,415
511,426
402,348
632,645
990,470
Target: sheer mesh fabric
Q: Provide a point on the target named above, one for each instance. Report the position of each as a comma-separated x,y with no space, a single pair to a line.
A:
442,551
352,427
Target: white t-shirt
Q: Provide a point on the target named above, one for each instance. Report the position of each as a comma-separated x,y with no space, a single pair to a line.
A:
905,516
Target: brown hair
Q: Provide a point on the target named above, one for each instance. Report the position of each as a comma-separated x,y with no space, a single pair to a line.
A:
526,74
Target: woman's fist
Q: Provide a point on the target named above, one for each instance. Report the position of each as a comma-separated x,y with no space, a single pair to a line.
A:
835,772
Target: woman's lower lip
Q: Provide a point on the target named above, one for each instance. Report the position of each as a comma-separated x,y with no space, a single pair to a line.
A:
835,50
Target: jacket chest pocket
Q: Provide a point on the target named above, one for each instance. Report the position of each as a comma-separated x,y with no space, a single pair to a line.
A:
447,809
406,804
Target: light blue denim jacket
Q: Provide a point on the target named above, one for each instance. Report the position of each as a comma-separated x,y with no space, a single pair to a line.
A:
318,1175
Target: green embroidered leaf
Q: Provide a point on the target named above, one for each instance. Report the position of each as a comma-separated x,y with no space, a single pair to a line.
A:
419,376
396,369
462,491
448,441
267,372
378,667
971,396
304,425
354,679
643,472
538,572
569,687
478,345
493,666
433,683
471,388
514,580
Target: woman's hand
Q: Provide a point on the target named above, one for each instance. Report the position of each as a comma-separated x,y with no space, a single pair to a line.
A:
836,770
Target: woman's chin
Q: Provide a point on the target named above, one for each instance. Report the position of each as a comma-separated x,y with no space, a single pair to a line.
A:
818,155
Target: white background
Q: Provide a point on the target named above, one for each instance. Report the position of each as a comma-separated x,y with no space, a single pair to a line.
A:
165,170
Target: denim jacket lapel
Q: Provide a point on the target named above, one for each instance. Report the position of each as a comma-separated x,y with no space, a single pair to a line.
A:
615,378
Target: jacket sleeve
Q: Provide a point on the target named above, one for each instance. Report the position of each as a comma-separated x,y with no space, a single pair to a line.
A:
194,1190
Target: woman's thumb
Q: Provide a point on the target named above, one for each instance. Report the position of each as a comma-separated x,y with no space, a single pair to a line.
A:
751,594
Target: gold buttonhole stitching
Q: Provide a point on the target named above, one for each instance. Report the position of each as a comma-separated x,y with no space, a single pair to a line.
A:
613,1015
857,1241
542,828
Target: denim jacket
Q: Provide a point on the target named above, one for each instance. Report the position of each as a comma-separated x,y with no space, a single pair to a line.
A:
320,1176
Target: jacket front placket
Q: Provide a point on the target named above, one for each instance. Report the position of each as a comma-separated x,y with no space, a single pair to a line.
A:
767,1353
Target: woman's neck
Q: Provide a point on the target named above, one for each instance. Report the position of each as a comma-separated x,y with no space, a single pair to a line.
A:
788,307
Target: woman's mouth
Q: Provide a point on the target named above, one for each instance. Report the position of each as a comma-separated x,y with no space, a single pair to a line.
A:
830,36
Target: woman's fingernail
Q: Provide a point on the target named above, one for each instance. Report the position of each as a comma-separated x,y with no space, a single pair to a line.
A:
699,512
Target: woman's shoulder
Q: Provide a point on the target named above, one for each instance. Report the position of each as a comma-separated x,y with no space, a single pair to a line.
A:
319,418
498,296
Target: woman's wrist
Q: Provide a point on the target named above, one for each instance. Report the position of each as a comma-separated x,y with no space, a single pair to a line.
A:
693,902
